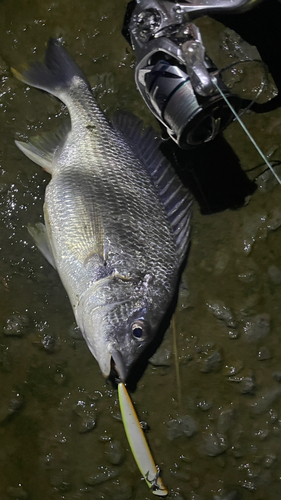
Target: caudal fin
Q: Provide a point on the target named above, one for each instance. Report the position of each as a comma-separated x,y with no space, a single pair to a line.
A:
56,74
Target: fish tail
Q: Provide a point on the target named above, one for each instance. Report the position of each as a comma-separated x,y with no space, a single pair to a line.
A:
56,74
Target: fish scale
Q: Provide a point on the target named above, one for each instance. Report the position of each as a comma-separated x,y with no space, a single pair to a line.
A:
117,218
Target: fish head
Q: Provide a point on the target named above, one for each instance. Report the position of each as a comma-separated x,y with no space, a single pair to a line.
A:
117,332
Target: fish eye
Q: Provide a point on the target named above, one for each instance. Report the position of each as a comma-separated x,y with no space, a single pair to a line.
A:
138,330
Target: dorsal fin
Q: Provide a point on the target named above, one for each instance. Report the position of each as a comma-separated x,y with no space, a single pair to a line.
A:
176,199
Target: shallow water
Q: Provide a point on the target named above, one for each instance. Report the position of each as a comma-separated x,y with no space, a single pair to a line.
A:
215,437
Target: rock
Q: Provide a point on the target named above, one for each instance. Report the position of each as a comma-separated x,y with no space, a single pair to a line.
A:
263,353
226,420
49,343
257,327
269,460
267,181
214,444
205,405
277,376
162,357
233,368
220,311
181,427
275,220
254,228
74,332
212,363
275,274
18,493
114,452
103,474
87,424
248,384
184,298
249,485
221,261
60,480
14,405
232,495
87,411
16,325
118,491
5,359
264,402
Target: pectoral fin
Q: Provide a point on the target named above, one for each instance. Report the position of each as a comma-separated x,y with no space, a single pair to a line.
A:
41,148
39,234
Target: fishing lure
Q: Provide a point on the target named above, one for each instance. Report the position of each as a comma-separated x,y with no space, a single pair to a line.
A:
138,444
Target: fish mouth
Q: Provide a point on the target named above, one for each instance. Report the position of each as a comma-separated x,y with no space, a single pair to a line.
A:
118,365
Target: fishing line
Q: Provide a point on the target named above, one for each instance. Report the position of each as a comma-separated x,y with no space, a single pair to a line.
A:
246,131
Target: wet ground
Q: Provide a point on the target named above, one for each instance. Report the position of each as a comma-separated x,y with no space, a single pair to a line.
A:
217,434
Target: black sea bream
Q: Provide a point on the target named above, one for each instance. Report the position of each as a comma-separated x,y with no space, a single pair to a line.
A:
117,218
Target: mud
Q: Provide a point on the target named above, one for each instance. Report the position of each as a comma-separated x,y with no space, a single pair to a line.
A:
216,433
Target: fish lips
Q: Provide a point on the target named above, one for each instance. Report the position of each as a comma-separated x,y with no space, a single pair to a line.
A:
119,365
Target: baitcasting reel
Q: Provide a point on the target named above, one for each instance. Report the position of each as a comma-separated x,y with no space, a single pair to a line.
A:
173,73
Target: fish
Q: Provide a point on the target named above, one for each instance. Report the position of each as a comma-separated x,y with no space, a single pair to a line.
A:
117,217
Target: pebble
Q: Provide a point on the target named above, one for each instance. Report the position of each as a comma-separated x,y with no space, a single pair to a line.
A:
221,261
233,334
16,325
5,360
274,274
103,474
212,363
264,402
220,311
17,492
49,343
277,376
181,427
205,405
248,384
60,480
269,460
275,220
232,495
263,353
87,411
118,491
233,368
162,356
267,181
226,420
257,327
184,296
7,410
115,452
214,444
249,485
74,332
4,67
195,496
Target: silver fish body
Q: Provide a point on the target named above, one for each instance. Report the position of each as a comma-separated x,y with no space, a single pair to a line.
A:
117,219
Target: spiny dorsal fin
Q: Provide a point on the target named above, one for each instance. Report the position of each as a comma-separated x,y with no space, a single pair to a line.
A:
176,199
